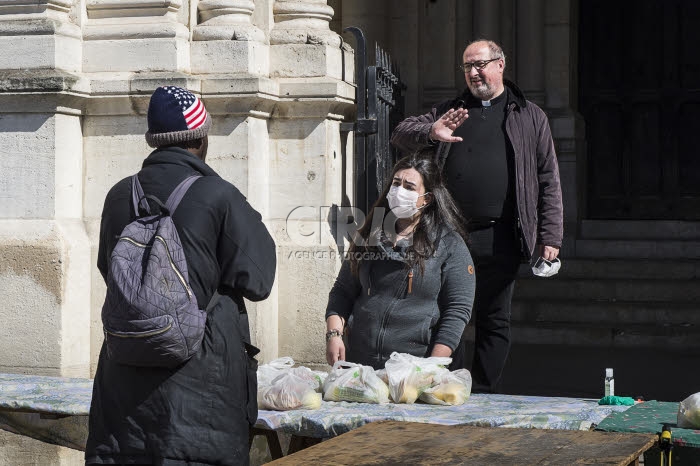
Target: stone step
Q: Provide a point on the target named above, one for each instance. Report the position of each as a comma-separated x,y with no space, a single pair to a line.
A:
637,249
627,336
640,229
662,314
663,269
657,373
607,290
559,335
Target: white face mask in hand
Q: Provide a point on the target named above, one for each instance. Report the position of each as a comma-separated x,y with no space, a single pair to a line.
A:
545,268
402,202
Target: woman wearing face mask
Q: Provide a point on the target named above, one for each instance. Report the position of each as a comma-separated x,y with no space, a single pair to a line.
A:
407,283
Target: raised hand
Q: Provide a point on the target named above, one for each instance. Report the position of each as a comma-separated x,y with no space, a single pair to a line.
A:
444,127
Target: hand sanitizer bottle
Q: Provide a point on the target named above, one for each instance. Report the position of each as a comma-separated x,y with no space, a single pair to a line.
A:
609,383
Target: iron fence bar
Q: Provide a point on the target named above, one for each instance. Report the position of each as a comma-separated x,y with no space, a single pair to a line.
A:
359,143
372,156
380,106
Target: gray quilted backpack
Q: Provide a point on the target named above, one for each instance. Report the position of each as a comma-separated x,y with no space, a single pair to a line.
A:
150,315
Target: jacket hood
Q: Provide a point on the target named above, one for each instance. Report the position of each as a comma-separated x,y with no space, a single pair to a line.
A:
515,94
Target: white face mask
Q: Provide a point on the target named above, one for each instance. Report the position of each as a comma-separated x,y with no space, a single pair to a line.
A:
545,268
402,202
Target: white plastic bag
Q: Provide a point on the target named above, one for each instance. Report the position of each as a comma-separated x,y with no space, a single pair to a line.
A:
449,388
689,412
267,372
312,378
381,373
354,382
409,376
321,377
288,391
283,387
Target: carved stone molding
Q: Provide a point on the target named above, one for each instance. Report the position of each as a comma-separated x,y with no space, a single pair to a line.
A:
28,7
135,35
39,34
101,9
227,20
303,22
38,17
133,19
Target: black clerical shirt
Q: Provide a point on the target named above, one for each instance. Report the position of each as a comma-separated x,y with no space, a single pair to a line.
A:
480,176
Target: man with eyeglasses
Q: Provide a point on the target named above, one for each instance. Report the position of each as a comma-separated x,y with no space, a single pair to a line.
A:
499,163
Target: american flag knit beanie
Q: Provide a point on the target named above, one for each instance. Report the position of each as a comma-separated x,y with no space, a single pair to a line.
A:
175,115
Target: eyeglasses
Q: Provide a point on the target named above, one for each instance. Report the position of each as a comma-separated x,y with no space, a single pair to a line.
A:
479,65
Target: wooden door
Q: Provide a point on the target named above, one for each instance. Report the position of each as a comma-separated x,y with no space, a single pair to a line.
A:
639,93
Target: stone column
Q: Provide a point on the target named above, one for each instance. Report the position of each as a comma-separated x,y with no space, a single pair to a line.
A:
306,173
530,49
231,52
560,95
302,44
44,251
240,151
40,34
226,41
139,35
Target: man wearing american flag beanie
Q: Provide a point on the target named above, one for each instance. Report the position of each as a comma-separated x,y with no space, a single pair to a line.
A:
175,115
198,412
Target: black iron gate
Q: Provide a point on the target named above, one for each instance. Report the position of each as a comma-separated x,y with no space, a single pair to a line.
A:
380,107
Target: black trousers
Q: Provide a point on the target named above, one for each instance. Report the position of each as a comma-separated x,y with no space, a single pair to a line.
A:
495,280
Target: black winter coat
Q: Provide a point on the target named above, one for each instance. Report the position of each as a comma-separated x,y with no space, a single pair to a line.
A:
199,412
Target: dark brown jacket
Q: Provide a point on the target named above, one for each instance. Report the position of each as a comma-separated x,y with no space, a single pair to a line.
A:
538,190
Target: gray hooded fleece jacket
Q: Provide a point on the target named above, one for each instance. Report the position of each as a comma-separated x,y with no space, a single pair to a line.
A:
383,317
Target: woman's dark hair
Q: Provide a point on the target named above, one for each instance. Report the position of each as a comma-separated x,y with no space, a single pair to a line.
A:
440,214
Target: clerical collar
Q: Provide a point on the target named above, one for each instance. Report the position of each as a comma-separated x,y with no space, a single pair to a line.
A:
495,100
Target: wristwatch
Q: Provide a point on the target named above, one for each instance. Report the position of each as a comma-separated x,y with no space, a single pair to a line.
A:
333,333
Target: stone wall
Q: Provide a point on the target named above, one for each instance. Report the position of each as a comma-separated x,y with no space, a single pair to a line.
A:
73,98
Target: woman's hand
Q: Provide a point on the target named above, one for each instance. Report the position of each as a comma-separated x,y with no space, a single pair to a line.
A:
440,350
335,350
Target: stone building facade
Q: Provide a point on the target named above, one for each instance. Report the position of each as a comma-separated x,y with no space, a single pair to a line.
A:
277,76
75,80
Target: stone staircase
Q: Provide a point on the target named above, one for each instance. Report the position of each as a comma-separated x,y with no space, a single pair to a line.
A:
630,300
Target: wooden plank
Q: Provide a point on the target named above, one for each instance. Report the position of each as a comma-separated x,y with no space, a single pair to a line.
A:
392,442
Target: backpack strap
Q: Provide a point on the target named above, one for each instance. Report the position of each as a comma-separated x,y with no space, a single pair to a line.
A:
138,197
179,192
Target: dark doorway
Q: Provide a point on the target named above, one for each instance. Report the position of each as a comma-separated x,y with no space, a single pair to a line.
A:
640,97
